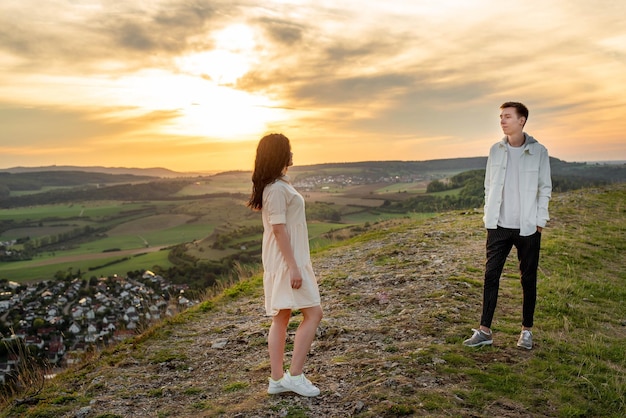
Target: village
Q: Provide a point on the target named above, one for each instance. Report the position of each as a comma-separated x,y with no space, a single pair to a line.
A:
58,321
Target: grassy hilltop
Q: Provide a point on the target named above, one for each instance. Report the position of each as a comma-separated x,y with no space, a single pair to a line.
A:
398,301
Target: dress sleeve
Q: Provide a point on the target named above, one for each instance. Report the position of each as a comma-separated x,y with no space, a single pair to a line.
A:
275,203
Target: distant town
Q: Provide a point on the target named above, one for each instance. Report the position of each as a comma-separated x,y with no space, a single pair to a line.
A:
59,320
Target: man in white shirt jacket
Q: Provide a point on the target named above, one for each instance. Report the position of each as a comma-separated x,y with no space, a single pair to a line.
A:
518,188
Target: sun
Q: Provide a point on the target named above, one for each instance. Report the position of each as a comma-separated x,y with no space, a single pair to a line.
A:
227,114
199,97
215,107
232,56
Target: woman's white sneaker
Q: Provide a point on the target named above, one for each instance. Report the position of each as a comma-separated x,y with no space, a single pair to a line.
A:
275,386
299,384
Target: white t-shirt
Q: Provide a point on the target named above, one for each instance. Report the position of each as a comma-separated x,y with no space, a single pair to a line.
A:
510,208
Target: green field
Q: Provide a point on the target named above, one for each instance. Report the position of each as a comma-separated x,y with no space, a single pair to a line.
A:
129,228
413,188
136,235
238,182
132,228
92,209
29,271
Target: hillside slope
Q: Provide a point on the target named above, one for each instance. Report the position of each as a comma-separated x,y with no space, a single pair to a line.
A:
398,301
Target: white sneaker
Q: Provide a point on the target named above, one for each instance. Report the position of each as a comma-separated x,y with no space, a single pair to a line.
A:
525,340
299,384
479,338
275,386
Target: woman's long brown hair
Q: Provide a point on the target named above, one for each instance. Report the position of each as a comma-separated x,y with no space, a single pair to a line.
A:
272,156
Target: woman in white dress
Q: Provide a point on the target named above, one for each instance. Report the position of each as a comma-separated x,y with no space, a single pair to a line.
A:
288,279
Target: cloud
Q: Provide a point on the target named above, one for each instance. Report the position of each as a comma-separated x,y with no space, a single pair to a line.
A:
170,28
281,31
131,34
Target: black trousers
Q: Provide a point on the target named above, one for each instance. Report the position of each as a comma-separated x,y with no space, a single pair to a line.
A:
500,241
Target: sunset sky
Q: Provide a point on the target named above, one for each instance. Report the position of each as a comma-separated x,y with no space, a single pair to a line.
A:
191,85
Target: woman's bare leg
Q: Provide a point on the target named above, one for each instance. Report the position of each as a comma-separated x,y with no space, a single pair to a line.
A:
304,338
276,342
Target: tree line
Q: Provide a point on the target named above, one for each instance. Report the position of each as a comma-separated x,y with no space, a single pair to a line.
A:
470,192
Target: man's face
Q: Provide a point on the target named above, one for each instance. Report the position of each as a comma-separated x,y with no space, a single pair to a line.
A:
510,122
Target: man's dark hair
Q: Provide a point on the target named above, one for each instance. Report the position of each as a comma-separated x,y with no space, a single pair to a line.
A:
519,108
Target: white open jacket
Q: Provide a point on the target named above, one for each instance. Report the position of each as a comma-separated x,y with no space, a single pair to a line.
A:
535,185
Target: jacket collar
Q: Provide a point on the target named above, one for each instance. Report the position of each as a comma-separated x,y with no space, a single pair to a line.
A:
528,141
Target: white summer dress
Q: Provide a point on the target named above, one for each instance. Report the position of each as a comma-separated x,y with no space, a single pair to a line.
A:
282,204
